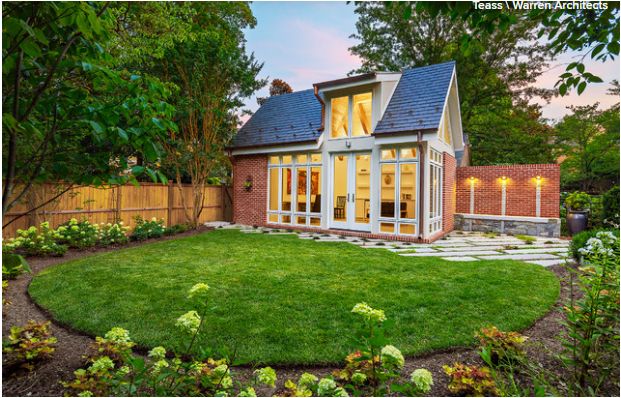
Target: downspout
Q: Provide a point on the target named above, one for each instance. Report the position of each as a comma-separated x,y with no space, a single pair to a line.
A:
421,186
323,107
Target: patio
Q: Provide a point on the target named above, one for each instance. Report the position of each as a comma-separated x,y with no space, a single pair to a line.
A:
457,246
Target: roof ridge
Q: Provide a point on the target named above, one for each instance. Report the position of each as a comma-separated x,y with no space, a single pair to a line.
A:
430,65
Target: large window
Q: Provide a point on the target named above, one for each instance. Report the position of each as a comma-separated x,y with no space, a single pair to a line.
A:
351,116
398,190
435,191
294,195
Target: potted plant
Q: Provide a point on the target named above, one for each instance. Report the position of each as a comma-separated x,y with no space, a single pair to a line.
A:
577,204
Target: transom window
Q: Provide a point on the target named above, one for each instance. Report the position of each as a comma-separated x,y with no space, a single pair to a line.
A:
398,190
294,183
351,116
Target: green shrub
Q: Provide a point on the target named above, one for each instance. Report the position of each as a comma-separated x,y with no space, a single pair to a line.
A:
502,346
176,229
579,240
78,234
148,229
29,344
112,234
578,201
35,242
610,207
470,380
13,265
591,336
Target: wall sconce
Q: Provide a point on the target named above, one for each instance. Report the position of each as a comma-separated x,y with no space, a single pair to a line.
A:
538,180
503,179
471,180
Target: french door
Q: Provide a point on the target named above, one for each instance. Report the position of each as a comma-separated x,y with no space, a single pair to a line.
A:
351,191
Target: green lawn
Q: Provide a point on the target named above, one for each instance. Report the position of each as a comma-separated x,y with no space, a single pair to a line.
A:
280,299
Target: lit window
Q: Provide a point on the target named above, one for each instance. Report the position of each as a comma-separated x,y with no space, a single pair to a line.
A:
340,117
361,118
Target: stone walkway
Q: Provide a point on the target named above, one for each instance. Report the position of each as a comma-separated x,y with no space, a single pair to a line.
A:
458,246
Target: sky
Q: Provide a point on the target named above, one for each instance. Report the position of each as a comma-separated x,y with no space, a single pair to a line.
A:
307,42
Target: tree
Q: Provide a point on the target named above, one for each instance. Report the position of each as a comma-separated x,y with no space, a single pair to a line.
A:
588,144
592,31
68,114
495,74
202,54
277,87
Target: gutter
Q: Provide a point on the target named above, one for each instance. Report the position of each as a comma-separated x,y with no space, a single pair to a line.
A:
421,185
323,107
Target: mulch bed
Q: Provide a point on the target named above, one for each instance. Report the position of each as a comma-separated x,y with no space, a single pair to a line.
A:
73,346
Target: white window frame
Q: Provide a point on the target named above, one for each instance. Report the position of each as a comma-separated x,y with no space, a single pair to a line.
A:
436,168
397,162
294,166
350,115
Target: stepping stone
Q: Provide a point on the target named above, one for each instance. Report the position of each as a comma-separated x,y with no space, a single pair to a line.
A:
535,256
417,250
547,263
460,258
473,248
497,243
449,254
544,250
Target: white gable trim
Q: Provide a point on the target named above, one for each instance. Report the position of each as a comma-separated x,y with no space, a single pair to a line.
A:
457,141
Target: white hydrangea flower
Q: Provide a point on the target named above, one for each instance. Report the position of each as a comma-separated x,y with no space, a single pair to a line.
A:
118,335
391,355
198,290
190,321
266,376
158,353
422,379
101,364
369,313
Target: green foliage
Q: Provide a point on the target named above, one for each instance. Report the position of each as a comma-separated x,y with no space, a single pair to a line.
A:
70,113
147,229
13,265
77,234
588,139
176,229
112,234
495,74
35,242
565,30
470,380
503,347
29,344
529,240
579,240
591,339
610,202
578,201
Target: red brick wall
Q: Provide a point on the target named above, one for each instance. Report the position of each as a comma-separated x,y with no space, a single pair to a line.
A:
521,189
448,192
249,207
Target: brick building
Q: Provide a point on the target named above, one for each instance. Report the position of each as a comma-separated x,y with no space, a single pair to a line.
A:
381,155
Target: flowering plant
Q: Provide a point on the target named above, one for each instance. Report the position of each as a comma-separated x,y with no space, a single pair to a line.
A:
35,241
30,343
153,228
501,346
113,234
78,234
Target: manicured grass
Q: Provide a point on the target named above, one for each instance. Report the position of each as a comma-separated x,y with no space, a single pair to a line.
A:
280,299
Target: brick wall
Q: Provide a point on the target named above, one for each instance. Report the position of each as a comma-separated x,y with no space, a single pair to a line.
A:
249,207
521,185
448,191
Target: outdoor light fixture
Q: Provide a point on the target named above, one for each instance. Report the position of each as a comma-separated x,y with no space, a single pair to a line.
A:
538,178
504,179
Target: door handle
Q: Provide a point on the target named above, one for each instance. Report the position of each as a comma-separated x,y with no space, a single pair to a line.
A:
348,197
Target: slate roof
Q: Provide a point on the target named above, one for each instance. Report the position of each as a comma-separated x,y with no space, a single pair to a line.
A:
416,104
282,119
418,100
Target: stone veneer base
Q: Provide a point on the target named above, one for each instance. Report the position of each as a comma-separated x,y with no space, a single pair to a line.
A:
512,225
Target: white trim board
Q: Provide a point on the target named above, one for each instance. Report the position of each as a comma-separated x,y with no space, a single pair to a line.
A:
539,220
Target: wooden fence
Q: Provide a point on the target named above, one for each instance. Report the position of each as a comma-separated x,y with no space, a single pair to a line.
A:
122,202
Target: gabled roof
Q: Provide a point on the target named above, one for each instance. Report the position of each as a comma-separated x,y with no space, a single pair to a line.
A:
416,104
282,119
418,100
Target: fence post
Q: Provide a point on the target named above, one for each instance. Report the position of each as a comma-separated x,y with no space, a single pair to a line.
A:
119,189
171,197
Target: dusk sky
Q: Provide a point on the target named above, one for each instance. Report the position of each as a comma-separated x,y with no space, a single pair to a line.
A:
307,42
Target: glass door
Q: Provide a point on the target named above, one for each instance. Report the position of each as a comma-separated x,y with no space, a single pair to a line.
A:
351,191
